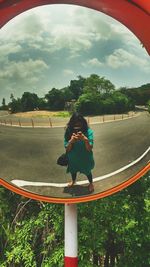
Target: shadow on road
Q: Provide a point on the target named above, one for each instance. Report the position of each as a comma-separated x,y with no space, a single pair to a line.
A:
77,190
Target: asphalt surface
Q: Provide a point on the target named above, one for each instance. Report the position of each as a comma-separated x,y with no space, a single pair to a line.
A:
30,154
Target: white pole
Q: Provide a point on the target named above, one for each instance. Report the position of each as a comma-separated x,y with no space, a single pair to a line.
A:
71,239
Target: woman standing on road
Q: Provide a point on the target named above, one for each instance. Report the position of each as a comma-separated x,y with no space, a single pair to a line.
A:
78,141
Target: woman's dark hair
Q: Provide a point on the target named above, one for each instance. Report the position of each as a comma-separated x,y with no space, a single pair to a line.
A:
75,118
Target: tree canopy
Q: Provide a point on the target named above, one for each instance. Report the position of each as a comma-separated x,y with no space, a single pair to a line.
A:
140,95
113,231
93,95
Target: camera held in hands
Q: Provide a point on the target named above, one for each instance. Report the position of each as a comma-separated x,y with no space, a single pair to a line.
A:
77,130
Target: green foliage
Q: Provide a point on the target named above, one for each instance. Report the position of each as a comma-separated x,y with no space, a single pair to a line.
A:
15,105
42,105
139,95
4,106
29,101
99,97
94,83
67,94
34,234
89,104
94,103
113,232
119,228
93,95
63,114
55,100
122,102
76,87
148,105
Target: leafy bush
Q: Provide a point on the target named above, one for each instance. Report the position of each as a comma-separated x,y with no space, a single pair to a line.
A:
148,105
113,231
89,104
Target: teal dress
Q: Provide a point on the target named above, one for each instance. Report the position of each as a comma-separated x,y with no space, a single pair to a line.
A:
79,158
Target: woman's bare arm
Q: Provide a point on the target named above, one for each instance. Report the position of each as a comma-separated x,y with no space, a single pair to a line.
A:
71,142
87,144
81,136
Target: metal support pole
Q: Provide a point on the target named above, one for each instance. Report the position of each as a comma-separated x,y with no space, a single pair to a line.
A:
50,122
71,239
32,122
19,123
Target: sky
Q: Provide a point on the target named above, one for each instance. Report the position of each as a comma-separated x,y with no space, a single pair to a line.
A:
51,45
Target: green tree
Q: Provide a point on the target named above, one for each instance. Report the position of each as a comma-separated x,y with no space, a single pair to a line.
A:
121,102
12,97
118,232
4,106
148,105
76,87
67,94
109,106
113,231
42,103
29,101
15,105
139,95
30,234
55,99
94,83
89,104
117,102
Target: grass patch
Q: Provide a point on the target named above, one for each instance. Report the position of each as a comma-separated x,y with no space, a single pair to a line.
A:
63,114
42,114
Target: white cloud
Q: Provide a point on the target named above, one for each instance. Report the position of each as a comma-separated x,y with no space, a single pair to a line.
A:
118,59
9,48
24,26
122,58
70,37
17,77
68,72
94,62
23,70
56,27
65,36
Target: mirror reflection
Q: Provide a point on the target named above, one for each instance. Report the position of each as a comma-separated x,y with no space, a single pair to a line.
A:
74,102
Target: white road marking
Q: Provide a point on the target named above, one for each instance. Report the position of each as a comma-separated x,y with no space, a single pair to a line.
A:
27,183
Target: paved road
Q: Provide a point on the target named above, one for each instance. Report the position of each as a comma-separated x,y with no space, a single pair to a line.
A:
30,154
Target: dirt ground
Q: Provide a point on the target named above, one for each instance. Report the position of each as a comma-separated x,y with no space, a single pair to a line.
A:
38,113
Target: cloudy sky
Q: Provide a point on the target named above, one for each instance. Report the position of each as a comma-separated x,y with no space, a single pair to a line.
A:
48,46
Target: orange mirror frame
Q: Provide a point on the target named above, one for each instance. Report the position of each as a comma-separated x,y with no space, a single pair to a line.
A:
135,15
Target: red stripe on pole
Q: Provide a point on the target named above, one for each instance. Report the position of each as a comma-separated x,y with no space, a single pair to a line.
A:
71,262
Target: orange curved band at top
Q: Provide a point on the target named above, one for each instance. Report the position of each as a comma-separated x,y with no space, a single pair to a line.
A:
106,193
131,14
134,14
143,4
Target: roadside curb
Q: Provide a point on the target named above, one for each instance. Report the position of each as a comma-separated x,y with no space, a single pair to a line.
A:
62,126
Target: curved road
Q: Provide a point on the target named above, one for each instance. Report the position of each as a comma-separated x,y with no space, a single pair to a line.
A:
30,155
